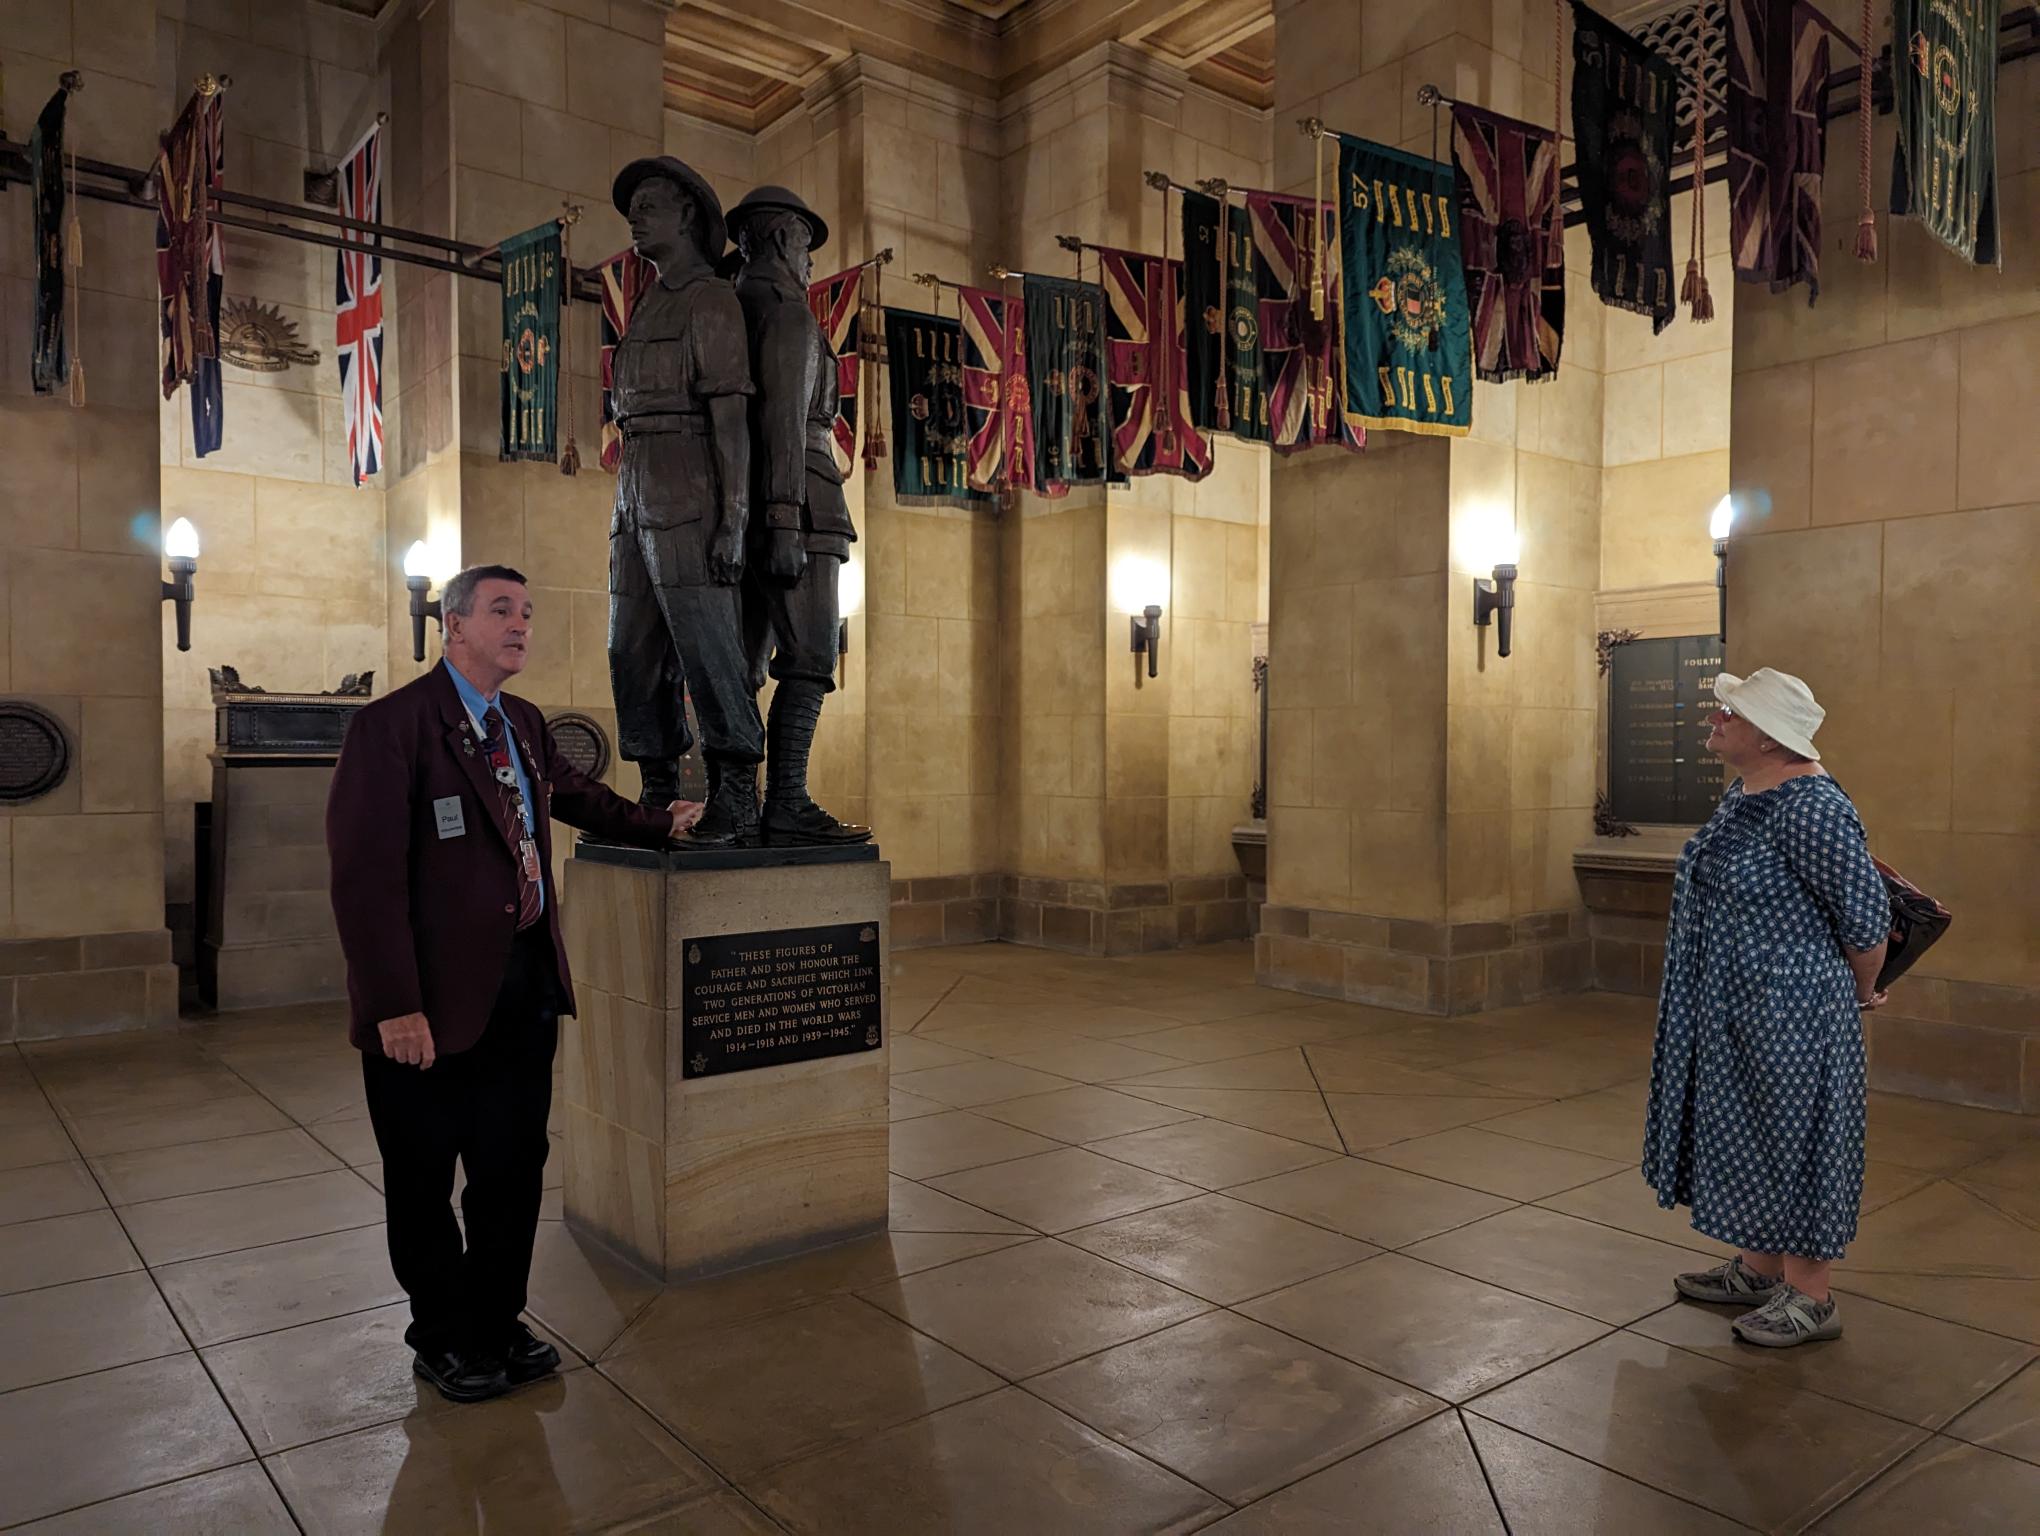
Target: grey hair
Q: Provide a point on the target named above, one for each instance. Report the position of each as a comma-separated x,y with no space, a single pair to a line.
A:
459,596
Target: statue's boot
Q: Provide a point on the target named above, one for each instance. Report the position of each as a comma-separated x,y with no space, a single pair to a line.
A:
730,819
792,818
661,784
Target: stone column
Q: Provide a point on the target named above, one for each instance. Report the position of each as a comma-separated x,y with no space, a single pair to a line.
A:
1887,478
1426,794
83,946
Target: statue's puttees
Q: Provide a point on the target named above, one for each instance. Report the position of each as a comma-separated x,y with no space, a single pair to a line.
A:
803,530
680,383
702,593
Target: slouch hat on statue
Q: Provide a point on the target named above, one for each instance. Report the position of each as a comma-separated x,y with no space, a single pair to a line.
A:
771,199
665,166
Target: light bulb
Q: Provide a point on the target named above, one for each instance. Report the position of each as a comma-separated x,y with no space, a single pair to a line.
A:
181,542
850,588
1508,543
1139,582
1723,518
418,560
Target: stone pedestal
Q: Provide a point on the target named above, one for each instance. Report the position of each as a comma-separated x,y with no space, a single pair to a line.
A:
269,936
691,1176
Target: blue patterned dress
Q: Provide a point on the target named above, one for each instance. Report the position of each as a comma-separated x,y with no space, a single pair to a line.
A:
1756,1083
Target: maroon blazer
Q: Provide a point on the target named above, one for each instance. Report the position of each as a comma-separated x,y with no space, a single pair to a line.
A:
427,922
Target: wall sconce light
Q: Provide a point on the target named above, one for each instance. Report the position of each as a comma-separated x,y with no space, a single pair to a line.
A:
1147,636
1718,526
180,544
849,603
1496,600
418,572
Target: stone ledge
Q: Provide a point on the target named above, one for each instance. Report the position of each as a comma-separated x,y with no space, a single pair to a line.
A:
1422,967
55,1005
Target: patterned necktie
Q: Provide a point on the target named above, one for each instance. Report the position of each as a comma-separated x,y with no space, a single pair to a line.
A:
512,813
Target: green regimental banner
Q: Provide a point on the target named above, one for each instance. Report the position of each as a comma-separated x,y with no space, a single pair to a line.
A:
1944,170
532,271
1406,347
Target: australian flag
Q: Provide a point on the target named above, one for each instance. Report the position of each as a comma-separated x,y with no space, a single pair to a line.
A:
358,309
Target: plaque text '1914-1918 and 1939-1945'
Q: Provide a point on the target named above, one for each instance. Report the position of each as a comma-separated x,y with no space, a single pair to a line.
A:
766,999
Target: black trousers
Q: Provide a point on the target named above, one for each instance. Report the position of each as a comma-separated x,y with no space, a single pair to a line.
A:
486,1107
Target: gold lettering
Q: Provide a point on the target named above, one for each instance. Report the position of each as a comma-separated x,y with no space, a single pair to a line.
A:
1444,215
1387,387
1445,381
1621,271
1359,193
1430,396
1379,200
1430,228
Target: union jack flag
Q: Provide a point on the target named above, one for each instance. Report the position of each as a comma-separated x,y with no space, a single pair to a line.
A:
1148,370
190,261
625,276
995,391
358,310
1299,366
836,303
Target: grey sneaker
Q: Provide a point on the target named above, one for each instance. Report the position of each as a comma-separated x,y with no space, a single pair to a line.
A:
1732,1284
1790,1317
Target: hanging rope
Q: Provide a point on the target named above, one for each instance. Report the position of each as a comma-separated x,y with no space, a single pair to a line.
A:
1557,72
1866,221
1317,245
570,452
1222,383
1694,292
871,348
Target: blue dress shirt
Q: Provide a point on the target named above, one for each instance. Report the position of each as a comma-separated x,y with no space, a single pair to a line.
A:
477,707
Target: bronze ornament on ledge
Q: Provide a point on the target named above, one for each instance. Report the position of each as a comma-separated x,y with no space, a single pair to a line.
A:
258,337
1606,822
1605,643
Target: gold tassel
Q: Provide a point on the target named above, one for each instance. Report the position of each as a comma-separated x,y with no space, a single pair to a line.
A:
1317,247
570,452
1866,221
1693,292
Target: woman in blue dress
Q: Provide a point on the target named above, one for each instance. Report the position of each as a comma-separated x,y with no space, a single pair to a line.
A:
1778,930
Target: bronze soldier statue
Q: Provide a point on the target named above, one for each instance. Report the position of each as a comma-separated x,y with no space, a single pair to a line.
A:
681,383
804,532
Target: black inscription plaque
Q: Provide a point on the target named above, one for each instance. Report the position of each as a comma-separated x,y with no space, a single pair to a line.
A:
35,756
765,999
581,741
1661,692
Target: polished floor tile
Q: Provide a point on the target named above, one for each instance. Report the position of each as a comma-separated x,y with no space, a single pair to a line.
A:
1544,1491
1900,1363
794,1384
1007,1463
1071,1187
979,1082
1376,1204
47,1189
1231,1405
956,1139
1707,1433
33,1141
1344,1069
1944,1486
1085,1113
88,1325
1607,1123
1212,1153
1201,1042
1501,1165
1368,1120
914,1053
1426,1479
76,1441
901,1105
568,1454
1094,1061
236,1501
257,1290
1299,1115
1452,1336
2008,1420
1279,1069
583,1292
1054,1304
161,1173
1581,1265
60,1249
1221,1249
1624,1201
916,1208
136,1130
251,1215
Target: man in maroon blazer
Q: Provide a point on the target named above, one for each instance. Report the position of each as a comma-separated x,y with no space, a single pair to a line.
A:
439,823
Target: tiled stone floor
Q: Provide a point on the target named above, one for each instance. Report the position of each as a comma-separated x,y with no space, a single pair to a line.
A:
1168,1252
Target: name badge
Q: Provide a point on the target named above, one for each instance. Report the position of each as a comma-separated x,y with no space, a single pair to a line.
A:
451,819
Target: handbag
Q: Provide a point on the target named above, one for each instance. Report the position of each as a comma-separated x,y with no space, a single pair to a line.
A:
1917,921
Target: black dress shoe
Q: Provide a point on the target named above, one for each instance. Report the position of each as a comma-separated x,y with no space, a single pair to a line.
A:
807,825
462,1378
528,1357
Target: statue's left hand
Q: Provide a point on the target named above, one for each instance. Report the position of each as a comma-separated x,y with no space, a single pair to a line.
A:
726,555
788,556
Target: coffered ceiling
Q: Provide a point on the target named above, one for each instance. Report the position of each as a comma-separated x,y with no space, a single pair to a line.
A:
743,63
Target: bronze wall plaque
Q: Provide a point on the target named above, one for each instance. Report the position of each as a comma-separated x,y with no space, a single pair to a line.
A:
581,741
35,755
1660,694
765,999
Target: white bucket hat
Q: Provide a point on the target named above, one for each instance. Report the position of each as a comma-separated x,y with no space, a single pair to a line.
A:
1776,703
